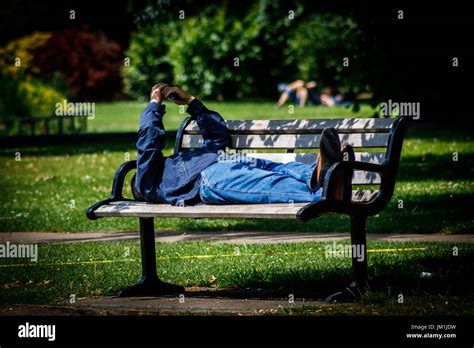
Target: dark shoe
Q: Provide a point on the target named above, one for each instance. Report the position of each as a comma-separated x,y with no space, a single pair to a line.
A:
135,193
343,182
329,153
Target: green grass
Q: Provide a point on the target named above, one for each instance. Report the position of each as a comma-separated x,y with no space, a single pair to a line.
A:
301,269
51,187
124,116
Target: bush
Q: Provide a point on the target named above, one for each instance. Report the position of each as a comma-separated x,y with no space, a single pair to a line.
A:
38,98
11,106
26,98
89,61
318,46
22,94
23,49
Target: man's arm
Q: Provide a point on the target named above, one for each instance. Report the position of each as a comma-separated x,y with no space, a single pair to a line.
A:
213,128
150,143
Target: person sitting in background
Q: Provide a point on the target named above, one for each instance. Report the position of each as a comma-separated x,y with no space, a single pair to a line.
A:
330,98
299,92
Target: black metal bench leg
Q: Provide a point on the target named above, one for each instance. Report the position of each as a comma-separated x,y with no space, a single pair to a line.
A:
149,284
359,264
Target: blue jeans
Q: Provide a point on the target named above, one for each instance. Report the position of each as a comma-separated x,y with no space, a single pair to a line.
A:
251,180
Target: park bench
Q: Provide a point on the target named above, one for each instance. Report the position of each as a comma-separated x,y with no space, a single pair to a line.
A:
378,145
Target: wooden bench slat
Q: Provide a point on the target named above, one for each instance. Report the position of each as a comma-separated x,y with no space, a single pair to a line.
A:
291,141
251,211
363,195
301,126
309,158
366,178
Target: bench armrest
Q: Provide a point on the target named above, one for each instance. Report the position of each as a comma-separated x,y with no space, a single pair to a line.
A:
329,180
119,177
338,206
117,188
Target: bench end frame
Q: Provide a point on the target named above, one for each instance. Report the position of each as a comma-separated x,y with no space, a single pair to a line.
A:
117,189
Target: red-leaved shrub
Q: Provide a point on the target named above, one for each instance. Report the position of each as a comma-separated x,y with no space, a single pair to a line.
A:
89,62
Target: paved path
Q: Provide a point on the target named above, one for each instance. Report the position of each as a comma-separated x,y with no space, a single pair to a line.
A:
196,301
168,307
222,237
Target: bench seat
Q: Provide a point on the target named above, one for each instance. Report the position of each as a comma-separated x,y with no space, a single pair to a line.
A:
247,211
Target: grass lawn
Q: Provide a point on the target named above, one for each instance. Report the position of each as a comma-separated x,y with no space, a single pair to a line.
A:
99,268
124,116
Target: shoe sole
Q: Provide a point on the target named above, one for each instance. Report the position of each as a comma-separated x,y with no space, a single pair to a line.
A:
329,152
343,189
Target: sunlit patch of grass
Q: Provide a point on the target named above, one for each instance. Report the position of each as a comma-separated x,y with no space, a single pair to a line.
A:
124,116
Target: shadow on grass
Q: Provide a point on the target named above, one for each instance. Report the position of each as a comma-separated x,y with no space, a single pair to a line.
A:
450,277
428,132
436,167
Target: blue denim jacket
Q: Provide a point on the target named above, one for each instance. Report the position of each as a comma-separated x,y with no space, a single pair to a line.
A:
175,179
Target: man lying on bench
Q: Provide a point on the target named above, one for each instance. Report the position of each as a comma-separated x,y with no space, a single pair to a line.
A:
205,176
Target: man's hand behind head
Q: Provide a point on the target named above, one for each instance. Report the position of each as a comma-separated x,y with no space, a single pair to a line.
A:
157,92
177,95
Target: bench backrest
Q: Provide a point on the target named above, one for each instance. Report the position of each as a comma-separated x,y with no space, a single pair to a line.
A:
297,140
